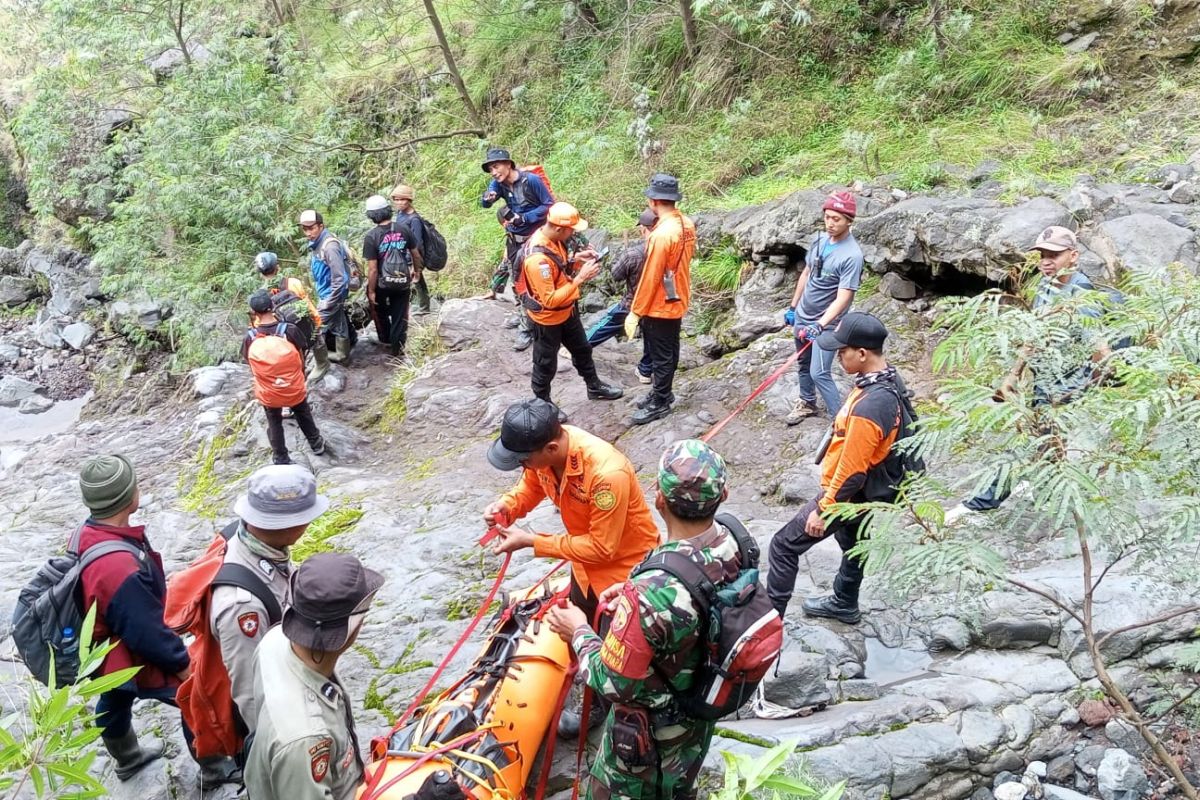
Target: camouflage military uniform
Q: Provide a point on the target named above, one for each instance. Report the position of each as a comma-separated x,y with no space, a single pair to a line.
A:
654,641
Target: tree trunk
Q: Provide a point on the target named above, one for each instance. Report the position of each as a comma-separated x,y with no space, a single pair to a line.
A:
1115,692
690,40
452,65
177,28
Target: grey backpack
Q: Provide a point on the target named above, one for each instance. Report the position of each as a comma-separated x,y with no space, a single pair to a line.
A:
47,621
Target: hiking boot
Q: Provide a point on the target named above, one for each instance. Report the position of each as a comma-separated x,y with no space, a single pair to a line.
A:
129,756
320,362
831,608
318,447
649,398
342,354
604,391
568,721
644,379
218,770
524,340
283,459
801,411
651,411
512,322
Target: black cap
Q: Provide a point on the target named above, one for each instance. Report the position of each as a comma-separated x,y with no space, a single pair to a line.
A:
260,301
497,154
663,187
855,330
528,426
327,590
648,218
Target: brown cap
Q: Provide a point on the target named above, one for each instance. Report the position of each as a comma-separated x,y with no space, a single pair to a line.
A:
328,590
402,192
1056,239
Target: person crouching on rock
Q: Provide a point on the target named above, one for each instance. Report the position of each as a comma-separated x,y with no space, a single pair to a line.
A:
272,348
609,528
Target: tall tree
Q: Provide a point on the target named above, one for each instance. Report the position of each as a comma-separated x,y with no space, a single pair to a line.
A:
690,40
452,66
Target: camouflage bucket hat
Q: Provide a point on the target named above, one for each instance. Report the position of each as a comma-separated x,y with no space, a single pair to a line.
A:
691,476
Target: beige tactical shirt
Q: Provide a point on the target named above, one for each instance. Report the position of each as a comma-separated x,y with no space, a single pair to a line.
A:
305,746
240,620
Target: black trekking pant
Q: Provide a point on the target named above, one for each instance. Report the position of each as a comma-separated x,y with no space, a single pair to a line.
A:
391,317
302,413
661,340
790,542
546,341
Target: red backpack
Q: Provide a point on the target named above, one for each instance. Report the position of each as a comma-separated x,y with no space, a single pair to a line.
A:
205,699
741,632
540,171
278,369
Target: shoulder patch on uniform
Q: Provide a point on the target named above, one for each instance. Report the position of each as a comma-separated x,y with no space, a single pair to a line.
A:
319,766
625,650
322,745
248,623
604,499
545,270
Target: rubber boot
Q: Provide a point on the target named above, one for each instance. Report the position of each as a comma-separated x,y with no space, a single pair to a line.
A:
320,361
217,770
130,756
342,355
317,446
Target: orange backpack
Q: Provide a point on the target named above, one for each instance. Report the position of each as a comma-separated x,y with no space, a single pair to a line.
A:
205,699
278,369
540,171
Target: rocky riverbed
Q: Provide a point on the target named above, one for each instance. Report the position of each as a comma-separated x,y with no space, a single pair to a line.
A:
943,696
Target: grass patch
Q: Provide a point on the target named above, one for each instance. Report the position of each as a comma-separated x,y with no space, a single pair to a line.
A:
204,486
404,664
748,738
332,523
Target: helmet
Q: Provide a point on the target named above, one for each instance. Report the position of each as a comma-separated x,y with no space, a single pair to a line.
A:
378,208
267,262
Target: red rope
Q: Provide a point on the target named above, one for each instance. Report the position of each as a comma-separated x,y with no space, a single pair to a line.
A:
762,387
371,792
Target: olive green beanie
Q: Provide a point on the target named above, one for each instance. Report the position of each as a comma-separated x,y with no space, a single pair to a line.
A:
107,484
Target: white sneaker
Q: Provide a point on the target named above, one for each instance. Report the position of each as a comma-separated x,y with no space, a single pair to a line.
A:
643,379
957,513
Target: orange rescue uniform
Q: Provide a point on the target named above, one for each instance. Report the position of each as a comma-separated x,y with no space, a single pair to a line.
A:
669,248
609,527
864,431
548,282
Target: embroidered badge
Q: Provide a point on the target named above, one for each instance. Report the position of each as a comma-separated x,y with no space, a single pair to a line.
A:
625,650
248,623
604,499
320,766
545,271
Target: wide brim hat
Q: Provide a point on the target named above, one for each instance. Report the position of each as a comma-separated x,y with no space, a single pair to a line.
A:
279,497
663,187
497,154
330,594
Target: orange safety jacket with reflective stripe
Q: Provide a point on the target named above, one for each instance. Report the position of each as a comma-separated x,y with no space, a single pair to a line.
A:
549,284
608,522
864,431
669,248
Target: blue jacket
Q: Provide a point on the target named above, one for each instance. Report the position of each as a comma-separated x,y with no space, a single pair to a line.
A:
527,196
330,273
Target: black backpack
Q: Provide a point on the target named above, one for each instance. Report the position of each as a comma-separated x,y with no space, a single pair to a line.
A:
910,460
47,622
744,633
395,264
289,307
433,247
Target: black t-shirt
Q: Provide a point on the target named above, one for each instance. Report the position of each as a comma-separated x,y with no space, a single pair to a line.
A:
382,238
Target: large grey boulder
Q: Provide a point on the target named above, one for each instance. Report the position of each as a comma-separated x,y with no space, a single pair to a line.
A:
759,304
146,315
78,335
1143,242
463,323
35,405
15,290
13,390
1121,777
74,281
168,62
798,681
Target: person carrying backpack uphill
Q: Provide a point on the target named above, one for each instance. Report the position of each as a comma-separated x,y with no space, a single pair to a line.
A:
394,266
432,246
859,464
272,349
652,662
127,589
290,301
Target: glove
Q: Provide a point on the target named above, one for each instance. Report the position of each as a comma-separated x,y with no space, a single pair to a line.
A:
789,316
809,332
631,323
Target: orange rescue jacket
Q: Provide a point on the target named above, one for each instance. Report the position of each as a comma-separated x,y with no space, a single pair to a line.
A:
669,248
548,282
608,522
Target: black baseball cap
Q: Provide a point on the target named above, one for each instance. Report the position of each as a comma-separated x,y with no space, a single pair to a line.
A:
260,301
855,330
528,426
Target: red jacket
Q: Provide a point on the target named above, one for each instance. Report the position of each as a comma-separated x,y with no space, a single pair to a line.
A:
129,597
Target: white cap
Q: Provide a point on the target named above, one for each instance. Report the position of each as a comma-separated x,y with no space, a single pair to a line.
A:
376,202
